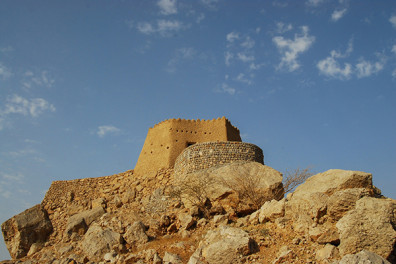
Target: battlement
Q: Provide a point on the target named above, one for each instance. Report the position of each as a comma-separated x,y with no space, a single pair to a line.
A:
167,139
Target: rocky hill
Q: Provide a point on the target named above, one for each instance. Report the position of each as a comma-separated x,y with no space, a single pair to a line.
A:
234,213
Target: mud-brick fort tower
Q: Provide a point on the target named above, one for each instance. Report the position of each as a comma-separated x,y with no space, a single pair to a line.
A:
191,142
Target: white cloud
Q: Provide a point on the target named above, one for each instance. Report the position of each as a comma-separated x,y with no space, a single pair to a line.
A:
211,4
314,2
105,130
392,19
290,49
243,79
167,7
228,57
41,79
163,27
248,43
394,49
225,88
282,27
245,58
5,73
330,67
200,18
365,68
232,36
27,107
145,28
338,14
169,25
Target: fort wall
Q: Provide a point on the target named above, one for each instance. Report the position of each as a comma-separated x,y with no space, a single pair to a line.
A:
166,140
209,154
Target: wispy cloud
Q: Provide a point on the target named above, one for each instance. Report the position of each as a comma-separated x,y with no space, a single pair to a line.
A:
27,107
210,4
392,19
41,79
282,27
107,129
228,56
5,73
338,14
180,55
232,36
200,18
290,49
366,68
225,88
167,7
244,79
163,27
394,49
314,3
330,67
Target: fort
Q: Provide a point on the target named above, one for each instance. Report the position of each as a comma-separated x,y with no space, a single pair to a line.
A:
167,139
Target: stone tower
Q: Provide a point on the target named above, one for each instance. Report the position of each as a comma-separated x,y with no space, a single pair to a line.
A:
166,140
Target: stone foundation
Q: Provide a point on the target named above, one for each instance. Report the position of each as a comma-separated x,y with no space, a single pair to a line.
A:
209,154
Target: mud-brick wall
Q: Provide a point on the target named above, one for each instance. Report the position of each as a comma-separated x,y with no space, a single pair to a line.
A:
209,154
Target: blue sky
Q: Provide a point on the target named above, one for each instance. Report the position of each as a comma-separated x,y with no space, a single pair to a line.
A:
313,83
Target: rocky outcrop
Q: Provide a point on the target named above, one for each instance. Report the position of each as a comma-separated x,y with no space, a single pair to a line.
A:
224,245
240,187
136,234
370,226
128,218
98,241
363,256
80,222
26,229
326,197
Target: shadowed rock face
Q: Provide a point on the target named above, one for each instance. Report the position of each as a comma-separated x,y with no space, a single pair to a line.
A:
24,229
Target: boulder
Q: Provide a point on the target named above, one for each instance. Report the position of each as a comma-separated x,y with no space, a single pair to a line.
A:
328,252
186,221
170,258
326,196
25,229
272,210
80,222
136,234
239,186
97,242
224,245
363,256
370,226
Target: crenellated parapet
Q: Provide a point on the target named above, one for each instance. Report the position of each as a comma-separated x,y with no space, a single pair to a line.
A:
167,139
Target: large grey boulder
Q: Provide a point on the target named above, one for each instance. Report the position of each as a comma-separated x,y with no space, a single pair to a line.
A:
224,245
97,242
363,257
370,226
25,229
80,222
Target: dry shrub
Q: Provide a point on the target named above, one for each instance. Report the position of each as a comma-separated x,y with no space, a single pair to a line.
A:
193,188
293,178
249,188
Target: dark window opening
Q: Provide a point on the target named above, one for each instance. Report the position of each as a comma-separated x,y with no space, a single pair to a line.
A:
190,144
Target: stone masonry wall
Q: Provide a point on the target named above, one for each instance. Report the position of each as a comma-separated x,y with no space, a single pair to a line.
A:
166,140
209,154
